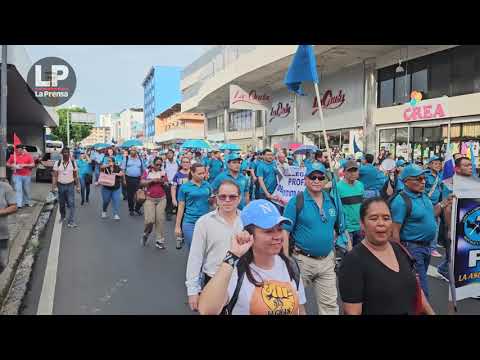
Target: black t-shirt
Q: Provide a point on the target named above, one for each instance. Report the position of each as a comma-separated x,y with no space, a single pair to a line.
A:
363,278
118,179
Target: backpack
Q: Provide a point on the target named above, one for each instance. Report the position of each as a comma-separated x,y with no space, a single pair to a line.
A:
73,164
295,275
406,200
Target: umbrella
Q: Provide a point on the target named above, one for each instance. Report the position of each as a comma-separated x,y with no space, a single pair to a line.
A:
231,147
305,149
196,144
100,145
294,146
132,142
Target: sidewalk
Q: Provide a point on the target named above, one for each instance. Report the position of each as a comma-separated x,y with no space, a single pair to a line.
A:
20,226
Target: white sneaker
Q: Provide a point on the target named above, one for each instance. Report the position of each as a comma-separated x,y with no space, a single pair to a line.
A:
104,215
116,217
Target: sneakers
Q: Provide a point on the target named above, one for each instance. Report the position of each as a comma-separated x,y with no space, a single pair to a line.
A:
72,225
139,212
159,245
116,217
104,215
435,253
132,213
443,276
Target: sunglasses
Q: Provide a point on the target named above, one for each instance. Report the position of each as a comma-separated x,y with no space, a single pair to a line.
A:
227,197
316,177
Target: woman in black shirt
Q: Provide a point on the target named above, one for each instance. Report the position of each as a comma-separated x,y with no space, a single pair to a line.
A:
112,193
377,277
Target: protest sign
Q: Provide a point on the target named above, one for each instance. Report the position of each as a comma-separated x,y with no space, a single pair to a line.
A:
291,183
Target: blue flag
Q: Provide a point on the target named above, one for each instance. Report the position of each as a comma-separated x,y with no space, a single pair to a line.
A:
303,68
356,149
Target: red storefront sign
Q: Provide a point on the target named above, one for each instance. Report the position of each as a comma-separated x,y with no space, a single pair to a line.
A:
424,112
281,110
329,101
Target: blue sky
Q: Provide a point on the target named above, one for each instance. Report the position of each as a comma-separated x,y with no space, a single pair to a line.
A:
109,77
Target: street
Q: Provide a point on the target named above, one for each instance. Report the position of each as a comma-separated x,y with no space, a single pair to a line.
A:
103,270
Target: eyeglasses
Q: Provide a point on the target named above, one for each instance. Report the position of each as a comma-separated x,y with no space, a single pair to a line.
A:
224,197
316,177
418,178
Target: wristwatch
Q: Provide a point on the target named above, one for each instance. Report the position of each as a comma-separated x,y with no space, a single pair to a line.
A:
231,259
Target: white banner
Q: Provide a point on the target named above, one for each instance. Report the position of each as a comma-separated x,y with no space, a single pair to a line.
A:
290,184
83,118
250,99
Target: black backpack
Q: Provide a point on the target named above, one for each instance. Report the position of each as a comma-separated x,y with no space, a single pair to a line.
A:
406,200
241,269
73,164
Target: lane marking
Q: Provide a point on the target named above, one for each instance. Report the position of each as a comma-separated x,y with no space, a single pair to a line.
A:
47,296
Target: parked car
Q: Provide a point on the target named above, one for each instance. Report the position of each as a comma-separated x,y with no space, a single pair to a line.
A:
45,167
32,150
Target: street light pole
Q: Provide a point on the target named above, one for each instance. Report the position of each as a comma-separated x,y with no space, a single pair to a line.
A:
68,129
3,114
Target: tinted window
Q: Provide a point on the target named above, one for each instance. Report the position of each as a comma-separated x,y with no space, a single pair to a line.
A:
463,70
439,74
402,88
385,86
420,82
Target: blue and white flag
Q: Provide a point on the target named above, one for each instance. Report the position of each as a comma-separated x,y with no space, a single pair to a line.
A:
473,159
448,169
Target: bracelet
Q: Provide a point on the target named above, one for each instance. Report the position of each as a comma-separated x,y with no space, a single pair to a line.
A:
231,259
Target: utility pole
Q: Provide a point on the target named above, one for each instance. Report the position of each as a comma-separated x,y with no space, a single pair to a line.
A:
3,114
68,129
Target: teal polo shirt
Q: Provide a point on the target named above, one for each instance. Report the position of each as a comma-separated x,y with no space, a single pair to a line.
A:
369,176
269,173
311,233
440,192
352,198
241,180
206,161
196,200
244,166
214,168
421,225
307,162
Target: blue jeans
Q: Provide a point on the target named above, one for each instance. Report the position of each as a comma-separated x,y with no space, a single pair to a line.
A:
111,195
22,189
443,268
421,254
97,172
66,195
187,230
356,237
84,188
434,244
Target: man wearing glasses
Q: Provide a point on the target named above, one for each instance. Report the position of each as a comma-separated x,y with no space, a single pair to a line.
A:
351,192
233,173
211,240
414,219
312,235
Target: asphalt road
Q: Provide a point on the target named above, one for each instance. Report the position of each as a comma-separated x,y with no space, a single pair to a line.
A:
104,270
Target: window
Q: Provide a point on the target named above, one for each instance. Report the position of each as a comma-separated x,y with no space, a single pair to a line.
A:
212,123
258,119
463,70
240,120
439,74
387,135
385,92
420,82
402,88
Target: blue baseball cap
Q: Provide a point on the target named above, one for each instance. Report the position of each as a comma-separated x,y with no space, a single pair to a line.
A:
433,158
263,214
316,166
400,163
231,157
411,171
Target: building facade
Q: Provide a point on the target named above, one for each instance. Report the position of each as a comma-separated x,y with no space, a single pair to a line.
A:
100,134
349,94
161,89
129,124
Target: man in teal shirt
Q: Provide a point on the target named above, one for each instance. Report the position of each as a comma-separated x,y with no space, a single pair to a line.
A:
267,176
372,178
216,166
233,173
351,192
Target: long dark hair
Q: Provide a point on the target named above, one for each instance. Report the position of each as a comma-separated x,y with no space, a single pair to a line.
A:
367,203
193,169
247,259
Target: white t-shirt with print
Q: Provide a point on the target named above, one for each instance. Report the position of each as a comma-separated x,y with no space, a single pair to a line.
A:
277,296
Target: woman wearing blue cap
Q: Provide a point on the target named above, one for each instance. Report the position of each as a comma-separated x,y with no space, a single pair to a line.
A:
256,278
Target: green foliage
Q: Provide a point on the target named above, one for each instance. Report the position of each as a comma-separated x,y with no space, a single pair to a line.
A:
78,132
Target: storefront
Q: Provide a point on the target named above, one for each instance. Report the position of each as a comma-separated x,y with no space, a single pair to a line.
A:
426,129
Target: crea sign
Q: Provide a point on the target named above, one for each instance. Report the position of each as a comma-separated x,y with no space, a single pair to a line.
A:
424,112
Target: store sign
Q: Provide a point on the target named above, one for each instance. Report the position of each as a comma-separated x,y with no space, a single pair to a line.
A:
280,110
250,99
424,112
329,101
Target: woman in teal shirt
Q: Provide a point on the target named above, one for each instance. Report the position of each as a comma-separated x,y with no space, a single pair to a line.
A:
193,202
85,175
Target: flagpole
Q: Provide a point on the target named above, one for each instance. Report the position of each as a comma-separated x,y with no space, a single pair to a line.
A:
322,122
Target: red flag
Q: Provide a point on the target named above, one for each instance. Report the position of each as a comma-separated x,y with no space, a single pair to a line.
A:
16,140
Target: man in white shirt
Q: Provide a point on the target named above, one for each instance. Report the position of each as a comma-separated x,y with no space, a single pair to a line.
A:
171,168
211,240
65,178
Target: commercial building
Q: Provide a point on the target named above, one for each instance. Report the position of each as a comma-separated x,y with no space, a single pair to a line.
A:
348,91
128,125
173,127
108,120
100,134
26,116
161,89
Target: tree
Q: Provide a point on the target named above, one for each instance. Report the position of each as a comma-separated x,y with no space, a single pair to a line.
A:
78,132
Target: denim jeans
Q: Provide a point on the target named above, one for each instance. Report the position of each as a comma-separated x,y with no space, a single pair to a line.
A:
97,172
356,237
422,255
22,189
66,196
443,268
111,195
84,189
434,244
187,230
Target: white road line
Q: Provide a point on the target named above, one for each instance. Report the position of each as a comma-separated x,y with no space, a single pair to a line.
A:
47,296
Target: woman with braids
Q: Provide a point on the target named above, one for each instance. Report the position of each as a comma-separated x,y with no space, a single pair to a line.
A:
256,278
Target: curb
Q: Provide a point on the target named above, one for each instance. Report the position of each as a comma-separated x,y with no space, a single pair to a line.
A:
19,245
